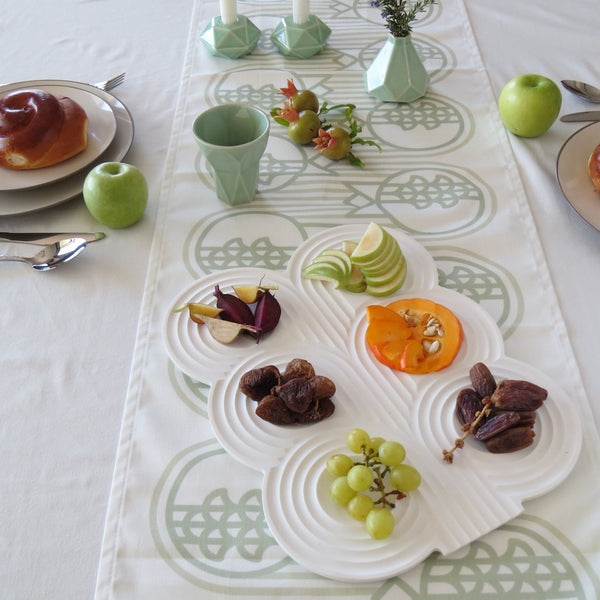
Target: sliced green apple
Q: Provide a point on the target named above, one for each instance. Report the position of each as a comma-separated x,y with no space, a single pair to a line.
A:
390,275
390,287
357,282
326,271
371,245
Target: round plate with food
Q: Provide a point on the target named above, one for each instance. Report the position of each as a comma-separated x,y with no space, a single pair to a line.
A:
102,126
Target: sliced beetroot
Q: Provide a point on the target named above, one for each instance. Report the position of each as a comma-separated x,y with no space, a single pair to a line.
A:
234,309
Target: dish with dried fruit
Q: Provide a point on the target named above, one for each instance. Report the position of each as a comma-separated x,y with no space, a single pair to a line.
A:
328,328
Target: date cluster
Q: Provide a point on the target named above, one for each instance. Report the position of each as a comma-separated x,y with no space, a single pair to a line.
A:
500,415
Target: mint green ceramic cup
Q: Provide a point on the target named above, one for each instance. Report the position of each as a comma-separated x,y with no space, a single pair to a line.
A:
232,138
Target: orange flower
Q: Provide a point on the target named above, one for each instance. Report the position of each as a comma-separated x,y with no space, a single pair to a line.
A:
290,90
288,112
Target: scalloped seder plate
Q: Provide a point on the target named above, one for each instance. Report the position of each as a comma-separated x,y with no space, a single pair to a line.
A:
455,504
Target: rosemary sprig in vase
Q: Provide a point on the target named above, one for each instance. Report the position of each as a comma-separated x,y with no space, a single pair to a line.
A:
400,14
397,74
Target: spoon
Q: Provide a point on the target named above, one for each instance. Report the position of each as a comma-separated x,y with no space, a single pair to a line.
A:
583,90
52,255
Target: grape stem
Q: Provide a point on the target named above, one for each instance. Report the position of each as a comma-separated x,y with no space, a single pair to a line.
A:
378,487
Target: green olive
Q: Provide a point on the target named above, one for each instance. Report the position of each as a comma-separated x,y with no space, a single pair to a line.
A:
305,128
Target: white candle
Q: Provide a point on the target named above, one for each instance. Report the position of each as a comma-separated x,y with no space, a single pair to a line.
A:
300,11
228,11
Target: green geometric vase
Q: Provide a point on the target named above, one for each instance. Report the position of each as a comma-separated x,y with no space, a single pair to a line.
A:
397,74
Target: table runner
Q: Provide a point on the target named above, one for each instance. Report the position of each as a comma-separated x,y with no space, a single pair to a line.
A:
184,518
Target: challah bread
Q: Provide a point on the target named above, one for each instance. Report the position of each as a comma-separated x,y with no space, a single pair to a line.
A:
38,129
594,167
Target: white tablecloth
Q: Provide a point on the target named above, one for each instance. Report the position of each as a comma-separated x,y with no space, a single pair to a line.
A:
68,336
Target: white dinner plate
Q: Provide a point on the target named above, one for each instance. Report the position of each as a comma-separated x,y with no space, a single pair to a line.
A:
102,127
573,176
327,327
19,202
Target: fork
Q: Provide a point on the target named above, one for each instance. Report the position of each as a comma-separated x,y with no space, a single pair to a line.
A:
109,84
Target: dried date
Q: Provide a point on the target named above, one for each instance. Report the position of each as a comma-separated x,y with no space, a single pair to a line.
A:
526,417
512,394
482,380
468,406
496,424
511,440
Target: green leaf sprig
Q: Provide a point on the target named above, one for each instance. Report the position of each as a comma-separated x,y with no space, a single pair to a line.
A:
399,14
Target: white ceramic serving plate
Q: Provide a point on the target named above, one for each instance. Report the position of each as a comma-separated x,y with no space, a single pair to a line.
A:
102,127
455,504
573,176
19,202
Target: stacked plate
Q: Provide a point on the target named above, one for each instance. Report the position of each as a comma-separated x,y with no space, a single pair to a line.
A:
110,134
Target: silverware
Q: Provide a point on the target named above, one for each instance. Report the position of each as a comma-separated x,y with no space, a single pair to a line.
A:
52,255
588,115
583,90
42,239
111,83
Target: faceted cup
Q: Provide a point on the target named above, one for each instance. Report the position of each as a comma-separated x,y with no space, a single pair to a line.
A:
232,138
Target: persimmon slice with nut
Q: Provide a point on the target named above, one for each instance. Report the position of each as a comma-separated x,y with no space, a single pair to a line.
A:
414,335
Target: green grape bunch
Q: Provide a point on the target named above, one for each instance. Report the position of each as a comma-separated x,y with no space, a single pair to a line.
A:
370,485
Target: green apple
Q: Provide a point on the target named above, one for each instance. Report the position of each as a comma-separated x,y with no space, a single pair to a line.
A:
529,104
116,194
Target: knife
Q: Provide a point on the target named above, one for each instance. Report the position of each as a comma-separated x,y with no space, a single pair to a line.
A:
588,115
43,239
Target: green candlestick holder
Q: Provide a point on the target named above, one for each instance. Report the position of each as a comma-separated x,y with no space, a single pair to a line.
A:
230,41
300,40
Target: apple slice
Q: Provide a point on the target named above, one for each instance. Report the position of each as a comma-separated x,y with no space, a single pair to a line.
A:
357,282
389,275
326,271
390,287
371,245
349,246
386,264
341,256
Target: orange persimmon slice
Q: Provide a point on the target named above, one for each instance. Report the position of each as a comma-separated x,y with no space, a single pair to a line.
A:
414,335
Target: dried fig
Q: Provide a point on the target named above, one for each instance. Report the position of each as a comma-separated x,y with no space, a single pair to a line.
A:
296,393
320,410
274,410
258,383
298,367
322,387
